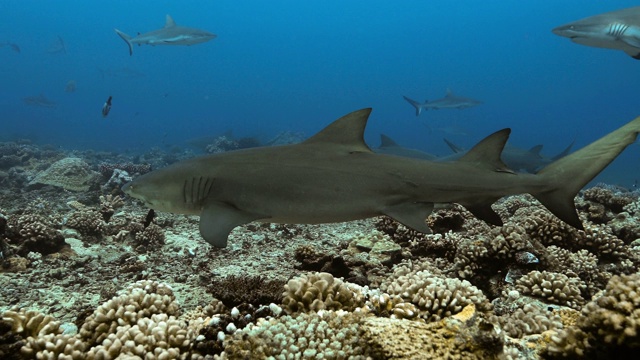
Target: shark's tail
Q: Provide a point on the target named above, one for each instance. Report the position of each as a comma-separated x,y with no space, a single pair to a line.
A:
415,104
572,172
126,39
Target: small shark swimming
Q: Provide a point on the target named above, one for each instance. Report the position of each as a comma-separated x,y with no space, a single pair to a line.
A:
334,177
618,30
518,159
170,34
449,101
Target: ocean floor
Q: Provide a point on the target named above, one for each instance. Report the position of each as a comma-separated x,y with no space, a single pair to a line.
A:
88,273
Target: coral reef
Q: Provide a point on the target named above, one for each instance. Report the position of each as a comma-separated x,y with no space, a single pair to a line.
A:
365,289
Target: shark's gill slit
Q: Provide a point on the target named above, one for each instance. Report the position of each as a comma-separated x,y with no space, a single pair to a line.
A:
617,29
199,194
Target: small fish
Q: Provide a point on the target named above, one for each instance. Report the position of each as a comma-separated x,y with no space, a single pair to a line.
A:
106,107
149,218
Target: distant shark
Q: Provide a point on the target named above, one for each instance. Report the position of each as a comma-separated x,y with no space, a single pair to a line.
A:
449,101
57,47
334,177
15,47
170,34
529,160
618,30
389,147
40,101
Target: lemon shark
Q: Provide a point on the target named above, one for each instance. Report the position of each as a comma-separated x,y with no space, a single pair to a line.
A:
449,101
618,30
334,177
170,34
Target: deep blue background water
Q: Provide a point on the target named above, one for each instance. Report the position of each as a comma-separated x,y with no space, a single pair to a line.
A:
297,65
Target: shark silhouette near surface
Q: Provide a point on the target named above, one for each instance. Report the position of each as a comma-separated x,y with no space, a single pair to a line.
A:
170,34
618,30
449,101
335,177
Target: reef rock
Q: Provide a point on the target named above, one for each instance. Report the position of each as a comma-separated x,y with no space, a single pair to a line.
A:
69,173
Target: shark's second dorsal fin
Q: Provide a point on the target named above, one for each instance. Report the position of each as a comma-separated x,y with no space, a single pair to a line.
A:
347,131
169,22
487,152
536,149
386,141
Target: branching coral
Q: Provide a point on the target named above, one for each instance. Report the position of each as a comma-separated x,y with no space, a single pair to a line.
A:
554,287
330,334
319,291
434,295
610,324
32,232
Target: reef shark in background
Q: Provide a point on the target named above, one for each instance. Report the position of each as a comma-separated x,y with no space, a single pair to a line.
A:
335,177
170,34
619,30
40,101
449,101
529,160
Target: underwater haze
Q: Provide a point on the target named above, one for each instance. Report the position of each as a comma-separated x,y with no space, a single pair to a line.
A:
297,65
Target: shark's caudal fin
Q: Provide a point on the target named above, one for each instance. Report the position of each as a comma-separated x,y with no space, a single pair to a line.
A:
572,172
126,39
415,104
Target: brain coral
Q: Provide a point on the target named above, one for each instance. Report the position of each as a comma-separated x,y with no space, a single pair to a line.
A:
69,173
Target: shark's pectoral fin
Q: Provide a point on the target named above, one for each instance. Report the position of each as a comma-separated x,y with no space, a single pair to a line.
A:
411,215
218,219
483,211
633,53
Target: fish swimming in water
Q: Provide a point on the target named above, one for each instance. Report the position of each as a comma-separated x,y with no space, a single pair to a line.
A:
334,177
170,34
106,107
618,30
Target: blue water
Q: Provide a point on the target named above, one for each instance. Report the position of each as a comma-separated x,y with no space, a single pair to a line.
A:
297,65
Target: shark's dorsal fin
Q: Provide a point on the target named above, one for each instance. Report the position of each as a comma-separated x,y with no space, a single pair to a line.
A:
169,22
536,149
487,152
449,93
347,131
386,141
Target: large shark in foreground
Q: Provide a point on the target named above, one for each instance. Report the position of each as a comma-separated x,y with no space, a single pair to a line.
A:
449,101
619,30
334,177
170,34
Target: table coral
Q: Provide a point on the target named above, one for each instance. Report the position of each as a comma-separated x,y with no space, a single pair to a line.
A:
69,173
